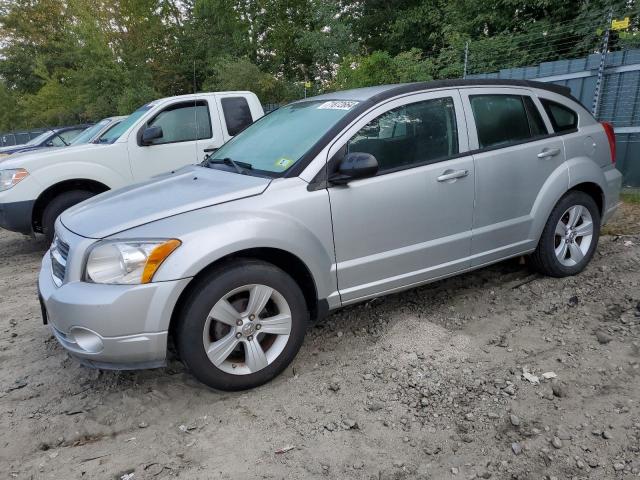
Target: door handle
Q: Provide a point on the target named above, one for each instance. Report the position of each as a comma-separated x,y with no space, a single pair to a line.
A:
452,175
549,152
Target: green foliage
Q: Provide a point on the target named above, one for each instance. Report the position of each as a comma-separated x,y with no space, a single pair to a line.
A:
67,61
8,118
242,74
380,68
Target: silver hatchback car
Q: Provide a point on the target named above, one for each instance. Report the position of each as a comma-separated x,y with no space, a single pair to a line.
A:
326,202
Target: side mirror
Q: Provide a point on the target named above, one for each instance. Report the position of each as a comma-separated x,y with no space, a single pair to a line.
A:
353,166
150,134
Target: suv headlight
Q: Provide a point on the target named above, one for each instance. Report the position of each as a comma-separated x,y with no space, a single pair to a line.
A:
10,177
127,262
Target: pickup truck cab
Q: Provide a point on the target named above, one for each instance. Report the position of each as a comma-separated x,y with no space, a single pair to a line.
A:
160,136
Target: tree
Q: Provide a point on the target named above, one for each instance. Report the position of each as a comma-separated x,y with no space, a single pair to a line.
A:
8,113
242,74
381,68
65,61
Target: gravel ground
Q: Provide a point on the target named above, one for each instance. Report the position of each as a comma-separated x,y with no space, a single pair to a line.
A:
499,373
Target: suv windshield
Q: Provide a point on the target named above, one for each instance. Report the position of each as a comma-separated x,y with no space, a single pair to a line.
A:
89,133
40,138
114,133
277,141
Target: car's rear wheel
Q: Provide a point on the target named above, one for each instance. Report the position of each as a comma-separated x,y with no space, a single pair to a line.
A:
241,325
570,236
58,205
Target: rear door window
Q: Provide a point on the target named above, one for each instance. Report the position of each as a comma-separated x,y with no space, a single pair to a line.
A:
562,118
536,124
237,114
502,120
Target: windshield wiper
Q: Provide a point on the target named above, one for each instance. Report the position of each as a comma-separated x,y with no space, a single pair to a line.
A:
241,167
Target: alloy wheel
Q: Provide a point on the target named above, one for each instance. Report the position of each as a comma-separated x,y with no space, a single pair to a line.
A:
573,235
247,329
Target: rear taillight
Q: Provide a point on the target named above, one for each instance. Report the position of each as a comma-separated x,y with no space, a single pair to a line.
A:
611,136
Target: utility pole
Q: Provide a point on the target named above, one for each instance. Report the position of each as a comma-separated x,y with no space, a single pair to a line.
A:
466,58
603,60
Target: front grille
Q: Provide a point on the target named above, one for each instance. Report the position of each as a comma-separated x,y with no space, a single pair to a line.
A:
59,253
63,248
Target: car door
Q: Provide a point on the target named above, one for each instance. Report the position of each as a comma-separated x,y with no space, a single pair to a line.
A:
514,157
186,133
412,221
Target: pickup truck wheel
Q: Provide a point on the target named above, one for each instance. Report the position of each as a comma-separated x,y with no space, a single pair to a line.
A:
58,205
569,238
241,325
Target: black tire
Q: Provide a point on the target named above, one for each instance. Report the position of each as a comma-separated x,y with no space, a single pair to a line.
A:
207,292
58,205
544,259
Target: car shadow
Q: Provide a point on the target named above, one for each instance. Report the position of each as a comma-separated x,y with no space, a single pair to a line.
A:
18,244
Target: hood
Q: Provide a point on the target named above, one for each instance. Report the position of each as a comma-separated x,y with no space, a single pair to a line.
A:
23,151
17,148
187,189
23,159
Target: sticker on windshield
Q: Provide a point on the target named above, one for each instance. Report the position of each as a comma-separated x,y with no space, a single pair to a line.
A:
337,105
283,163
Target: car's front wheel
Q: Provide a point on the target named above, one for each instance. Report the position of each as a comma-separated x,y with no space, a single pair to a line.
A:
241,325
570,237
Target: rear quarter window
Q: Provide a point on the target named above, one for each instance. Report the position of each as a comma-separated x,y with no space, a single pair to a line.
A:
563,119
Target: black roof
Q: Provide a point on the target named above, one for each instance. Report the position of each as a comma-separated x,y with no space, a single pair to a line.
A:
71,127
369,96
382,92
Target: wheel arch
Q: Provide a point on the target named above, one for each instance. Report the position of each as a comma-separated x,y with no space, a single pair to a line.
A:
286,261
594,190
56,189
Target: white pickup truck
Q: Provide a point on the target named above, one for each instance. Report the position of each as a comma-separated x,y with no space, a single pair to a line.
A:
158,137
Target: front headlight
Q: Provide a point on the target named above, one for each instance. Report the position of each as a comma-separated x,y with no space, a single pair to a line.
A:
127,262
10,177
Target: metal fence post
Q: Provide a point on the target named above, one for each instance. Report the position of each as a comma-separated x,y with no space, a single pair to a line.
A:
603,59
466,59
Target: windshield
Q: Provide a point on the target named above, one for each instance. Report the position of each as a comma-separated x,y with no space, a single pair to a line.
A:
114,133
40,138
89,133
277,141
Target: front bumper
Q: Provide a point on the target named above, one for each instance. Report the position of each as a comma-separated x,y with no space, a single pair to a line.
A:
16,216
110,326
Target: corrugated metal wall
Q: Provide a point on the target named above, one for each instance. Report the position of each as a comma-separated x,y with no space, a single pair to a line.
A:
619,101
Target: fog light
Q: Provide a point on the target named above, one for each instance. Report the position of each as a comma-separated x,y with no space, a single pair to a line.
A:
87,340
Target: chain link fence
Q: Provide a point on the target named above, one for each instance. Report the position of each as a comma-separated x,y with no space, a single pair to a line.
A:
598,58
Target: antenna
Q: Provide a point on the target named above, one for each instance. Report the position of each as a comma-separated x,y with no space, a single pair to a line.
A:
195,111
194,76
